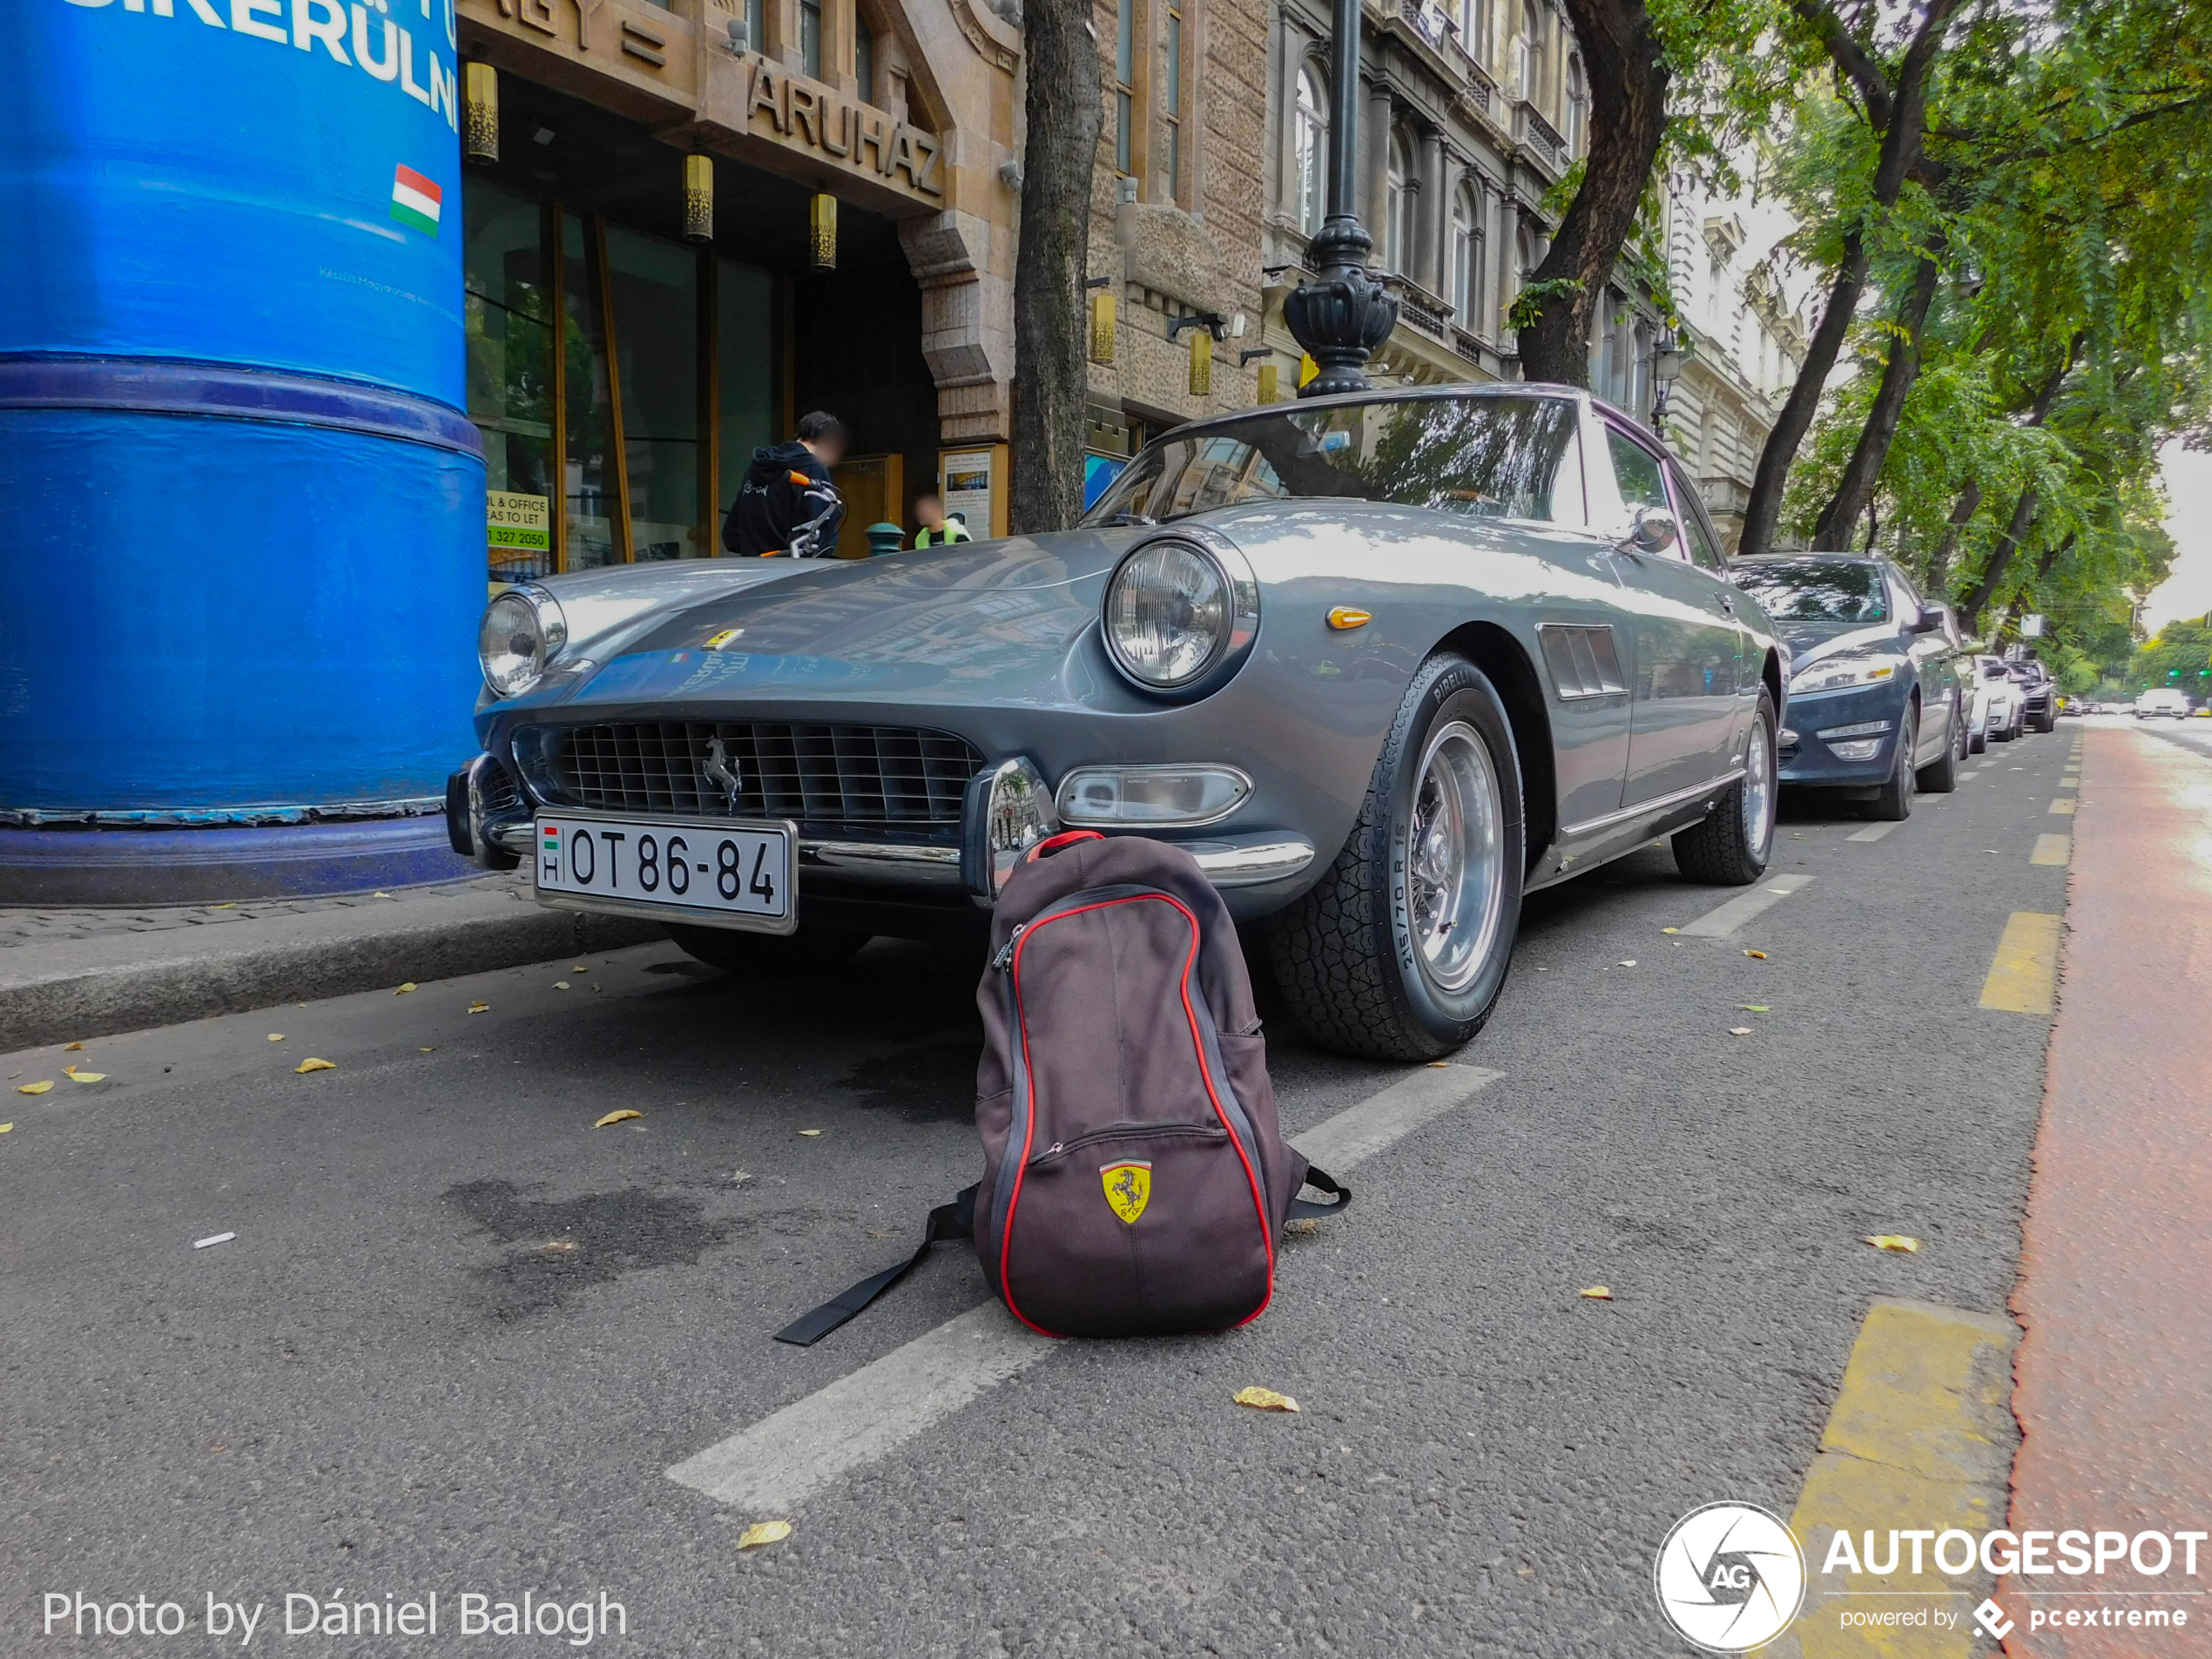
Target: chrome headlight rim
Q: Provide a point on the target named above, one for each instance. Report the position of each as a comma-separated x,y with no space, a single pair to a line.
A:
549,626
1231,648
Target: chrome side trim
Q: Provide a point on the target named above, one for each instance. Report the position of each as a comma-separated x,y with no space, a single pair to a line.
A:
1648,808
905,866
1232,865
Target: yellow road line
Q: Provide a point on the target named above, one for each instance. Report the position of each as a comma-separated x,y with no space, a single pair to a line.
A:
1921,1437
2065,806
2052,849
2023,977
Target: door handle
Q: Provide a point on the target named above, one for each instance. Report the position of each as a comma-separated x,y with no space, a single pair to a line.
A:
1727,603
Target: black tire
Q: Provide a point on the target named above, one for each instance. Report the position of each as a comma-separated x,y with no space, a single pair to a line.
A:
1977,742
1894,802
811,950
1941,776
1351,958
1730,845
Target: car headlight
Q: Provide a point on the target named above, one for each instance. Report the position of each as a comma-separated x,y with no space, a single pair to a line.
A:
1835,675
522,631
1175,612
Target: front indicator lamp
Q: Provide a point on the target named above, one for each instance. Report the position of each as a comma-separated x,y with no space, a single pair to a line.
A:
1836,675
1123,797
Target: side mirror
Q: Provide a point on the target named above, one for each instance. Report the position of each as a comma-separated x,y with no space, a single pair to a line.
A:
1928,621
1652,530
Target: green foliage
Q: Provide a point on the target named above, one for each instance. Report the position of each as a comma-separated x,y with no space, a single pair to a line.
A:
1532,296
2180,655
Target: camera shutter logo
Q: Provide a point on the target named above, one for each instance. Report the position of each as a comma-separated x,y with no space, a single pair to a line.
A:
1729,1577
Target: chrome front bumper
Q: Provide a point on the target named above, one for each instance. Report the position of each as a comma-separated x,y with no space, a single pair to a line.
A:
1008,811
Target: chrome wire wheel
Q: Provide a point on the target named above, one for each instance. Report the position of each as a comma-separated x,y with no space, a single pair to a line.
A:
1758,789
1454,858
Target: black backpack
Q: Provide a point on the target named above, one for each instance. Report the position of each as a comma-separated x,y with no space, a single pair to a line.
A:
1136,1181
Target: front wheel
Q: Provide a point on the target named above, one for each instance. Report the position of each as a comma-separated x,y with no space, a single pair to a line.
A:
1399,952
1894,800
1730,845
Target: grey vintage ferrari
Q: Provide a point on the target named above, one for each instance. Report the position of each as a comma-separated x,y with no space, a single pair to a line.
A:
1380,664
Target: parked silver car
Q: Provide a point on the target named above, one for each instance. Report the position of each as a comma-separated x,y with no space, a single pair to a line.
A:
1380,664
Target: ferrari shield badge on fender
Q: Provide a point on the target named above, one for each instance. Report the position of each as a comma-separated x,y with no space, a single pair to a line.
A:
1129,1188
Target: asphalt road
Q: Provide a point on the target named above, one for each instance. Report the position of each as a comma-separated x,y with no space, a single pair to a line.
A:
461,1335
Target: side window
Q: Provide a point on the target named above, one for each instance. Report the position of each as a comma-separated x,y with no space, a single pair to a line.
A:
1637,470
1695,536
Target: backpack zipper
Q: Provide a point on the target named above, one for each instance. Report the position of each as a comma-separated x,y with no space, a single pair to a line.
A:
1159,1129
1004,960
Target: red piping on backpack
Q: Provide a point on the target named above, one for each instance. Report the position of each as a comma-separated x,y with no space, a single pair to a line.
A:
1198,1047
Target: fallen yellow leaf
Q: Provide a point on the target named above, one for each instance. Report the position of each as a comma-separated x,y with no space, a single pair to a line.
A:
579,969
1628,961
1758,955
1439,1064
1670,930
405,988
4,1127
480,1007
763,1532
427,1050
231,906
560,985
71,1047
276,1037
1265,1400
69,1071
810,1131
1739,1031
622,1116
34,1089
1910,1246
1755,1007
316,1065
1598,1292
383,895
88,1076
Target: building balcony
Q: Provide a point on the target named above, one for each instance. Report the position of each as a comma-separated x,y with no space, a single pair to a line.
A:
1539,136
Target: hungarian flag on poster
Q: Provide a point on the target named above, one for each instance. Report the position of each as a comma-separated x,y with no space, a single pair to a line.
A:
415,200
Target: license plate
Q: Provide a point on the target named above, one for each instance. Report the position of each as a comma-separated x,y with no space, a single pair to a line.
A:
738,874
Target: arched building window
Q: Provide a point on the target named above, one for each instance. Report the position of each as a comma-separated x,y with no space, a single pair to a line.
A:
1310,150
1532,52
1466,257
1397,240
1578,106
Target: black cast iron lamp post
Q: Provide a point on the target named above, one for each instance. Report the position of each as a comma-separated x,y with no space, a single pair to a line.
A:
1344,313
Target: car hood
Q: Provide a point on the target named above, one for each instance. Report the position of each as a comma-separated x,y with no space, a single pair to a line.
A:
1812,642
976,617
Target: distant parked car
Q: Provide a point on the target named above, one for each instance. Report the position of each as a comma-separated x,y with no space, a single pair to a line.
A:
1876,706
2006,706
2039,694
2161,703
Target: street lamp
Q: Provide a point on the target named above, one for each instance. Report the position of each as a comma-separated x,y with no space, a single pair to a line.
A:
1667,359
1344,313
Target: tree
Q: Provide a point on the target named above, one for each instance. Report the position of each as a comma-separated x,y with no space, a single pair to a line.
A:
2180,655
1892,100
1064,104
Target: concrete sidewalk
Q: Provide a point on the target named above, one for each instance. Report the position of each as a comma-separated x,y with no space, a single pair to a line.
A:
2114,1376
70,975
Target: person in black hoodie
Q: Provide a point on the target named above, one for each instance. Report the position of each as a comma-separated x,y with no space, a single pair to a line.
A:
788,507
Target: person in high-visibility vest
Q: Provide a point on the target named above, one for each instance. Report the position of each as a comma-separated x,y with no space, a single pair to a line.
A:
936,529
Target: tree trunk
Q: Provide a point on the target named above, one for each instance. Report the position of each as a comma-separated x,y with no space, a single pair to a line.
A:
1938,575
2024,512
1627,77
1898,113
1064,106
1855,490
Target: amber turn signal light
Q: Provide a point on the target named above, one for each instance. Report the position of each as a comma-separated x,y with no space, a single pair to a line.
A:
1349,616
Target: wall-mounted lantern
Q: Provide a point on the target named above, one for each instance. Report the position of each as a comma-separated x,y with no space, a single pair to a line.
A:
1102,319
824,224
479,112
698,197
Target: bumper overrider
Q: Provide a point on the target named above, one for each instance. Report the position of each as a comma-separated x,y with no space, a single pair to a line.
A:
1841,738
1007,809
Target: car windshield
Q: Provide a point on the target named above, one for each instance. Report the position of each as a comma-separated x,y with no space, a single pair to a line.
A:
1815,590
1482,457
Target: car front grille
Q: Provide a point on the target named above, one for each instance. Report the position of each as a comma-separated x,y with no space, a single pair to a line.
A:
861,777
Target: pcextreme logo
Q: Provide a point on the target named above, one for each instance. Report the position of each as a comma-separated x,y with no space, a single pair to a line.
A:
1729,1577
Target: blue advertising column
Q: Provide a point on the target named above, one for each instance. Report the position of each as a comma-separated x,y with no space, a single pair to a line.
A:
241,509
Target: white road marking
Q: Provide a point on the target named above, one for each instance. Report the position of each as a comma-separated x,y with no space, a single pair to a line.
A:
1874,832
1718,924
864,1416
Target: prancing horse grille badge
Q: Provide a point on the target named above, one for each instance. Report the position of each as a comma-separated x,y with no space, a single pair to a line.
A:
721,768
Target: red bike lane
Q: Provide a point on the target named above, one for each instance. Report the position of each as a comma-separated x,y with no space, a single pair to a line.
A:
2113,1376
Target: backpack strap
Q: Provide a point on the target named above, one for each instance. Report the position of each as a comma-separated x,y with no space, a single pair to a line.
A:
947,1222
1321,1181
